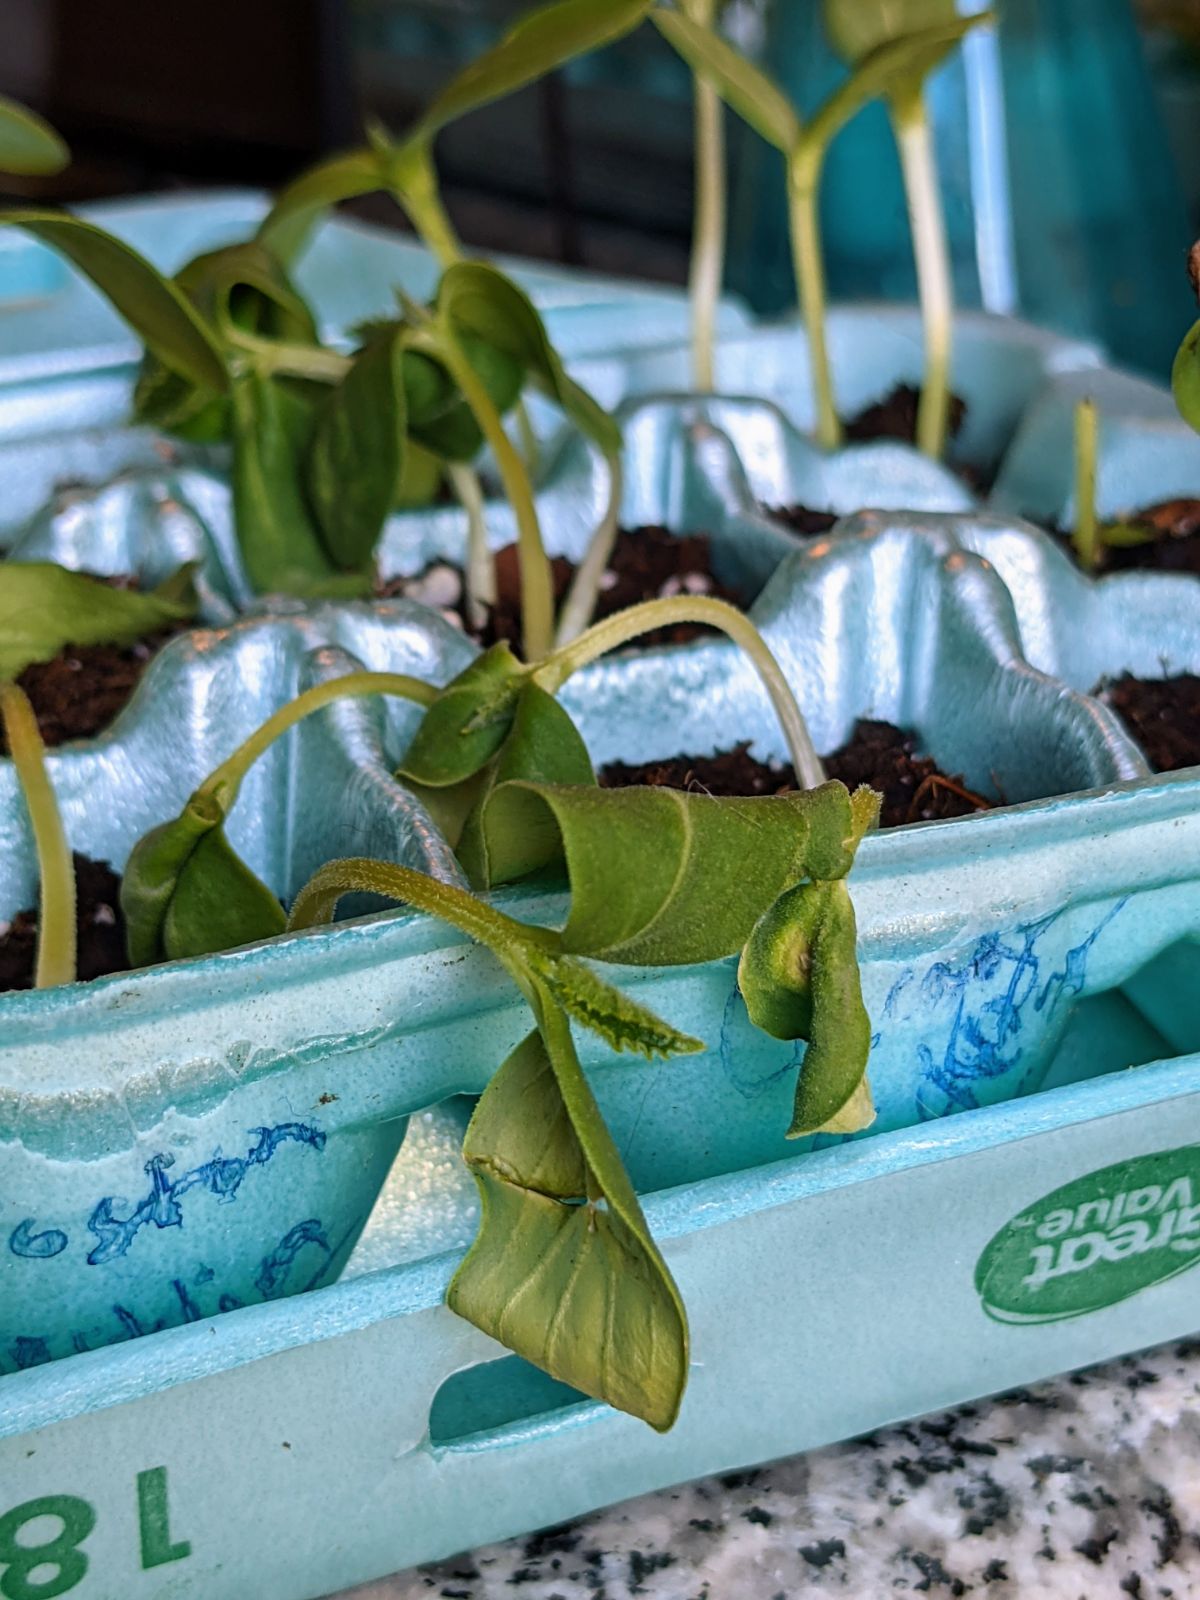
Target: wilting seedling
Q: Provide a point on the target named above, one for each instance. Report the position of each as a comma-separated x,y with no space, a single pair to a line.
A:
659,879
860,29
43,608
656,878
890,68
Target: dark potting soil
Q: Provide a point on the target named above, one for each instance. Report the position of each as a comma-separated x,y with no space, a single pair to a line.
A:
809,524
100,929
877,754
895,417
1162,714
1174,548
79,692
649,563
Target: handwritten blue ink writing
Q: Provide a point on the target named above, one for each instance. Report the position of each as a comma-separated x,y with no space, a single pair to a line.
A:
220,1176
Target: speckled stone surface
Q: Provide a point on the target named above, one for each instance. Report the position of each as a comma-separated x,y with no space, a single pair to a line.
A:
1080,1489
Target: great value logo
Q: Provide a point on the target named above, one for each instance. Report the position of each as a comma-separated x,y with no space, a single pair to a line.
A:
1096,1241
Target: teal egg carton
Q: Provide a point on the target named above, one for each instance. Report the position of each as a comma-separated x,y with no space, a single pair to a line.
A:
185,1150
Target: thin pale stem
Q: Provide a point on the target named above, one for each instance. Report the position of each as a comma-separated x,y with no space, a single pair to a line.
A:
708,241
317,902
429,217
537,588
530,448
928,223
481,566
223,784
56,916
272,358
809,263
630,624
585,586
1086,537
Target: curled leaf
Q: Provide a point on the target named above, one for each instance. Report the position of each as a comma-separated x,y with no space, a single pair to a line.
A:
185,891
663,878
280,540
480,303
856,27
356,457
755,97
542,745
564,1270
468,722
799,977
45,607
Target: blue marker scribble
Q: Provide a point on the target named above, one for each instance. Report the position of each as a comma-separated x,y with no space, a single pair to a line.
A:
750,1060
30,1353
23,1241
984,997
273,1270
220,1176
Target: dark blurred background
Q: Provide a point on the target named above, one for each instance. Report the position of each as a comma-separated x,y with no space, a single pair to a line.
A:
594,170
1093,147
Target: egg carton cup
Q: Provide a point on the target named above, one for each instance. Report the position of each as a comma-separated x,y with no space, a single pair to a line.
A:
972,975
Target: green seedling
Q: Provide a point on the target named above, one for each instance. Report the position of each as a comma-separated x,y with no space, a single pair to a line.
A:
1185,374
564,1270
56,871
43,608
1087,538
324,442
885,70
1092,536
859,29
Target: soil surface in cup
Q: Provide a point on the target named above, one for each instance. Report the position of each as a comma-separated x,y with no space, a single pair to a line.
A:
1162,714
100,930
914,789
1174,545
894,417
649,563
79,692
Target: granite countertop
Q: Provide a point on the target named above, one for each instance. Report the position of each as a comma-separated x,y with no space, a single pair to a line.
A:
1079,1489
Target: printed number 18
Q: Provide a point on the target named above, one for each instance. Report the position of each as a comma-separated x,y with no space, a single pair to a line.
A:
42,1571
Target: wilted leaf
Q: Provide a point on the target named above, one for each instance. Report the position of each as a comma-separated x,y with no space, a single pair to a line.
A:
45,607
356,458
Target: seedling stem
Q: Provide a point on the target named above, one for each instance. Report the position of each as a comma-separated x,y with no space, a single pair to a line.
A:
928,224
56,921
631,624
1087,446
803,211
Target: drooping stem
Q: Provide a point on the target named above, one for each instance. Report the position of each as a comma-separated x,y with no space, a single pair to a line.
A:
317,902
537,587
804,217
481,567
630,624
1086,537
708,237
580,603
928,224
223,783
56,917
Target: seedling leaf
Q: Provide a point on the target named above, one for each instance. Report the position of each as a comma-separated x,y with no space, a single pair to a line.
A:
45,607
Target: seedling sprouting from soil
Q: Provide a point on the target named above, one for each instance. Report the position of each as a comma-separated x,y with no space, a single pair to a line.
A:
859,30
43,608
890,68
